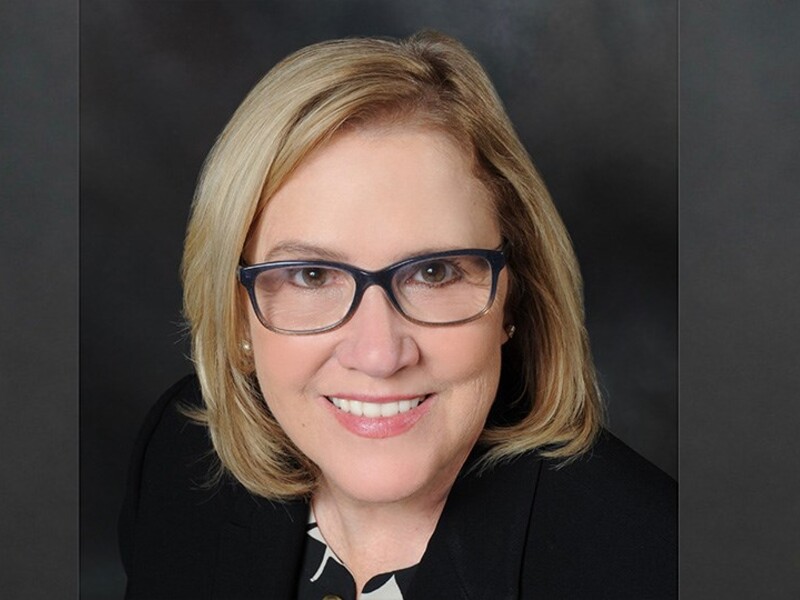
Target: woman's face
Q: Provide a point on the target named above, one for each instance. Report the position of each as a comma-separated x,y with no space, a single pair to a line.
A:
371,198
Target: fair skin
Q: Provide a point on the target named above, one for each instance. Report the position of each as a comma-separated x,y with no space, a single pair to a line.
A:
371,197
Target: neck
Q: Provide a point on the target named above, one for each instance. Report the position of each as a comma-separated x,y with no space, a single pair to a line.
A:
372,538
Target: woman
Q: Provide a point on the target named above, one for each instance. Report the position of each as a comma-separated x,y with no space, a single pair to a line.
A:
395,396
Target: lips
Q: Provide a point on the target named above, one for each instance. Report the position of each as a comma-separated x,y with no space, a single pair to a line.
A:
373,410
388,417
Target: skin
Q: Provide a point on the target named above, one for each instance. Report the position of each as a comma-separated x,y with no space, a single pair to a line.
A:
372,197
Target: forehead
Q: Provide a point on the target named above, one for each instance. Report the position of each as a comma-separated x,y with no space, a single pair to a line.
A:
376,195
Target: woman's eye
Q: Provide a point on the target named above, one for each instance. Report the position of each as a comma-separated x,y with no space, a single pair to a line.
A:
311,277
436,273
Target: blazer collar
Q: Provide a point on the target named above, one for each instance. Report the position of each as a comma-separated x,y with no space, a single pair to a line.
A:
478,546
261,549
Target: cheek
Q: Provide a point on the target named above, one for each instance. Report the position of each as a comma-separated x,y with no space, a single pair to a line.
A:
470,373
285,366
469,356
474,357
283,362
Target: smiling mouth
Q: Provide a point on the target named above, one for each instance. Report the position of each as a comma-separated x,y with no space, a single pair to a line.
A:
374,410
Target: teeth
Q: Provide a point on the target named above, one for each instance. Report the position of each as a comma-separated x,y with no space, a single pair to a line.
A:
375,409
389,409
370,410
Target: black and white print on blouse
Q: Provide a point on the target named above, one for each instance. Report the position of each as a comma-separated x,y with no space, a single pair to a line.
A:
323,573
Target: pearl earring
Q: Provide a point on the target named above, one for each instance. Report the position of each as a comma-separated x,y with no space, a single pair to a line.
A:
510,331
246,346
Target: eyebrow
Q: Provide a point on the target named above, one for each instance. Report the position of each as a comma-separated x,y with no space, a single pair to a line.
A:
298,249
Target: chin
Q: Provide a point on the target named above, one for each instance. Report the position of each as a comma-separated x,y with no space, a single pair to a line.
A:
384,481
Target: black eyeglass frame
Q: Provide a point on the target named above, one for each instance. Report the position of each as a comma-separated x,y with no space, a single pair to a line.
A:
247,275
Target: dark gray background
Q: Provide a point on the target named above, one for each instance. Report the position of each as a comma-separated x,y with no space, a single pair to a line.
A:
38,300
592,92
740,288
739,223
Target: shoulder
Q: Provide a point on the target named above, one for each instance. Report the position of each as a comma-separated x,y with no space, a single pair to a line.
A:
172,508
613,475
606,521
171,450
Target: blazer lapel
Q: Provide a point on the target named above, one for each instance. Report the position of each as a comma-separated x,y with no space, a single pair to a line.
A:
260,550
477,549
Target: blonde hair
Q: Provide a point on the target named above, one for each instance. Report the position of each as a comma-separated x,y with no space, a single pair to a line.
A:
552,405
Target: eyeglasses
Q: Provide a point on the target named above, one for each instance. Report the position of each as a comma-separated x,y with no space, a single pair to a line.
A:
313,296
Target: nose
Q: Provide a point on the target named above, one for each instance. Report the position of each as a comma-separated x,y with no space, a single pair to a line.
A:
377,340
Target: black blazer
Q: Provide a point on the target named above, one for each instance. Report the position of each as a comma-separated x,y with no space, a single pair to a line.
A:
603,526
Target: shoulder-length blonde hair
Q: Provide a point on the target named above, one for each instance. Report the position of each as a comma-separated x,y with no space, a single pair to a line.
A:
551,401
